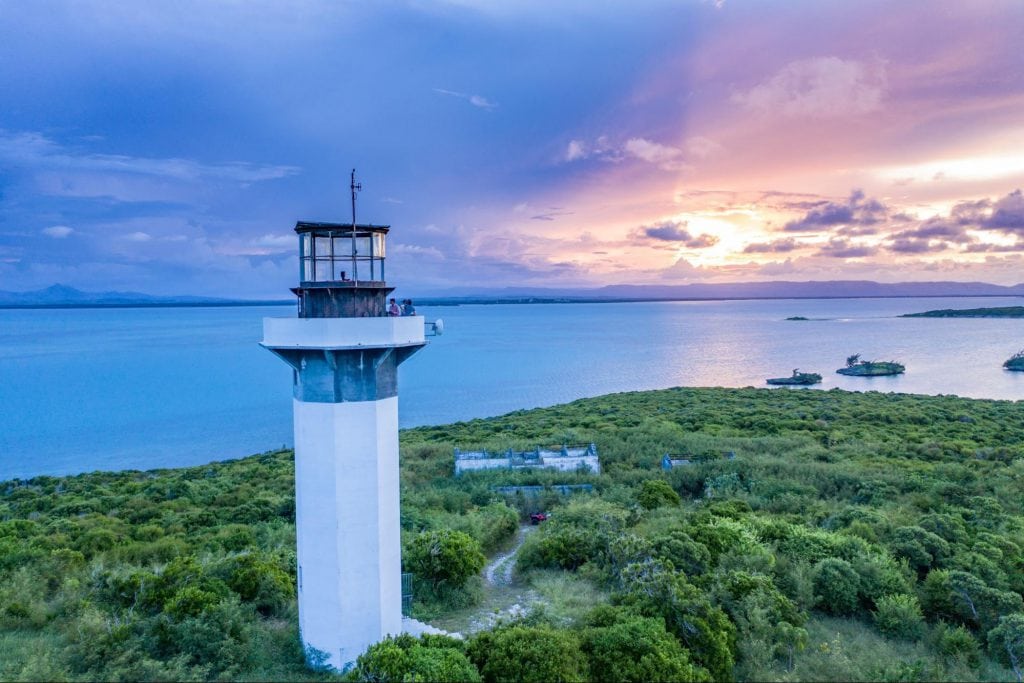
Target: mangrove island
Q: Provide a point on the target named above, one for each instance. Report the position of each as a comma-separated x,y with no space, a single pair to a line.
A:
870,368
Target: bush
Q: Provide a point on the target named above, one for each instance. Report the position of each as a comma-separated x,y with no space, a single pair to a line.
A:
656,492
516,653
445,559
261,582
563,547
899,616
635,649
956,644
835,586
404,658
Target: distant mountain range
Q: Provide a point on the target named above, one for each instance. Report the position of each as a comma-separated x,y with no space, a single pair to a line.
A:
737,290
62,296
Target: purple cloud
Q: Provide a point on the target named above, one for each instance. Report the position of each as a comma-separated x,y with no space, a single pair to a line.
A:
1008,213
677,232
855,211
839,248
774,247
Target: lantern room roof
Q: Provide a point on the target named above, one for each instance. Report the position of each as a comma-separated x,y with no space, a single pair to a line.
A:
305,227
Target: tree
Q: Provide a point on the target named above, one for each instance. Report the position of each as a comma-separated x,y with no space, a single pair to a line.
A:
835,586
958,595
444,558
656,589
1006,642
525,654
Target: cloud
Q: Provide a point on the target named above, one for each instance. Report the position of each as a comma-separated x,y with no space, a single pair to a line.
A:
664,156
936,227
675,231
917,246
820,87
700,147
551,214
36,151
855,211
1008,213
138,236
476,100
840,248
781,246
1005,214
577,149
416,250
277,243
983,247
58,231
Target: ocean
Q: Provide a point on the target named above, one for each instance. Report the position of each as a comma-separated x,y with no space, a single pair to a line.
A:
142,388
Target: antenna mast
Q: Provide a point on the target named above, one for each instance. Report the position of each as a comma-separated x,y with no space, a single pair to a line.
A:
355,187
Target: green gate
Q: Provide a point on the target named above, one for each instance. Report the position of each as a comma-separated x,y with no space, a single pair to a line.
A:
406,594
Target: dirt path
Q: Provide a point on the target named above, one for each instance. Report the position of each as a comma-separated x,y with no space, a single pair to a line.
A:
499,571
503,598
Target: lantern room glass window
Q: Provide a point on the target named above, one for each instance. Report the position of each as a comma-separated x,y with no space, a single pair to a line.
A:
342,256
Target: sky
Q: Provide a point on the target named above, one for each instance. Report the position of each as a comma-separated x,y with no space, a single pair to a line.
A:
170,147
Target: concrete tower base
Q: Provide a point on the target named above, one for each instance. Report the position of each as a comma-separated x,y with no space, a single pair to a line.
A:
347,524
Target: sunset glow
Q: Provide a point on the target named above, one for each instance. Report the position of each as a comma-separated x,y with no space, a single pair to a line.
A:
171,149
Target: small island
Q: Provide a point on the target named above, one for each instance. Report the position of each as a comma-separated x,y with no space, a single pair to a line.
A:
1003,312
1015,362
870,368
797,317
797,379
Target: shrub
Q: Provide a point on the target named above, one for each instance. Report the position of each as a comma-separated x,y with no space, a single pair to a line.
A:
444,558
190,601
404,658
261,582
835,586
899,616
524,654
955,643
562,547
635,649
656,492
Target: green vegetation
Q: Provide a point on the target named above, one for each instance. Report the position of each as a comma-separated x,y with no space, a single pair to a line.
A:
797,378
999,312
870,368
855,536
1015,362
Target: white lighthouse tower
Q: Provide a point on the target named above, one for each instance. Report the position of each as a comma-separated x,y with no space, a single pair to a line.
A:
344,350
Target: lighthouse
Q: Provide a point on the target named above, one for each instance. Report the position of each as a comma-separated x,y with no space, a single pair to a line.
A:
344,351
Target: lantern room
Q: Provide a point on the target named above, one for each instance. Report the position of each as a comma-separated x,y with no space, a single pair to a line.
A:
338,253
341,270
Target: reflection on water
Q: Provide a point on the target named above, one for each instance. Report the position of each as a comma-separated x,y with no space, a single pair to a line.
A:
104,389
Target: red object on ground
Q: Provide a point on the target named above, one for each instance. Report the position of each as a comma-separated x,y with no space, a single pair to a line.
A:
538,517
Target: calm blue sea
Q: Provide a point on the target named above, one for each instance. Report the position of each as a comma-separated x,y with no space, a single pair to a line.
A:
101,389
